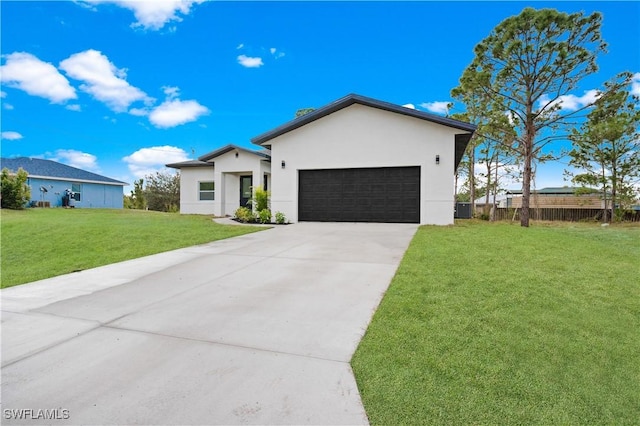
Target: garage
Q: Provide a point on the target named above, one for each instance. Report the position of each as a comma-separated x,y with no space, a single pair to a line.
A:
381,194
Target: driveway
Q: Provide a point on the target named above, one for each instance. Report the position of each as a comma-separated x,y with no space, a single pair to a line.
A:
257,329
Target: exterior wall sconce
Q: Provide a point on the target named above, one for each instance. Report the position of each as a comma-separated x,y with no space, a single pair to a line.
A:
437,159
237,155
283,164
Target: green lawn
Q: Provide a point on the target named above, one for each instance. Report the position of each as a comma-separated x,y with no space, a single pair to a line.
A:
497,324
42,243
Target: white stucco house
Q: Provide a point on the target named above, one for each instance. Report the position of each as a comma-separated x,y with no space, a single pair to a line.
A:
355,160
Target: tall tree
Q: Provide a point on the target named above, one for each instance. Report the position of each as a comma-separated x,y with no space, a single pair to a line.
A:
138,200
606,148
162,191
525,67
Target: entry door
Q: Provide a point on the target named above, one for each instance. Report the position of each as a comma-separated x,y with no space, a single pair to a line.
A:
246,182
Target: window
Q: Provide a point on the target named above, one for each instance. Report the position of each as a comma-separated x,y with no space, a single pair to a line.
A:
76,188
206,191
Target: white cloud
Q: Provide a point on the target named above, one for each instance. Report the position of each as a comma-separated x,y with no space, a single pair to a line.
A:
275,53
171,92
635,84
153,15
174,112
147,161
7,106
103,80
250,62
78,159
3,94
139,112
240,46
438,107
412,106
26,72
12,136
571,102
74,107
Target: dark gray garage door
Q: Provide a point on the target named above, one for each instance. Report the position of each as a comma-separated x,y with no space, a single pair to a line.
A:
384,194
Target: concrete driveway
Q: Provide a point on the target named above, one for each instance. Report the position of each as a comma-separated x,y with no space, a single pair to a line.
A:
257,329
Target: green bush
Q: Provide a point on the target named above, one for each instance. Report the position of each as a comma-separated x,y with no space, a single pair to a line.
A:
15,191
280,218
260,199
265,216
244,214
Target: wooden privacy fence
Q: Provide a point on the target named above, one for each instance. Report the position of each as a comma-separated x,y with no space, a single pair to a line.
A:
568,215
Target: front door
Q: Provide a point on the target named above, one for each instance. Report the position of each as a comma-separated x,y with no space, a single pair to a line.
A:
246,182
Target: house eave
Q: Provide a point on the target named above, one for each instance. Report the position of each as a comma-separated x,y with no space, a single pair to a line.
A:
118,183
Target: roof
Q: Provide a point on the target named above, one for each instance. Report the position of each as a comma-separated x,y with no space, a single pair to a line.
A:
190,163
218,152
204,160
564,190
48,169
461,141
362,100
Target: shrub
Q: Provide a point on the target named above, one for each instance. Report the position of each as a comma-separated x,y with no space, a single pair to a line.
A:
280,218
260,199
265,216
15,191
244,214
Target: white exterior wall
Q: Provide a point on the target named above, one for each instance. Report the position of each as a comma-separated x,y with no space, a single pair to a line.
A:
362,136
189,190
226,176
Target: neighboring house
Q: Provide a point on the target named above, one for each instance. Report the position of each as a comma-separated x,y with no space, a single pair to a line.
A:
559,198
357,160
49,182
501,201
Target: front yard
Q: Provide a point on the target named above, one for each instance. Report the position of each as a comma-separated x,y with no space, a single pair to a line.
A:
42,243
496,324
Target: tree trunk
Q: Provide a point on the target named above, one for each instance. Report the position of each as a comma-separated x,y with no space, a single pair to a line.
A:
472,178
495,191
526,172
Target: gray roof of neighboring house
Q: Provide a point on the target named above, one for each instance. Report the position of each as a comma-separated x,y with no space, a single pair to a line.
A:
37,167
204,160
461,141
568,190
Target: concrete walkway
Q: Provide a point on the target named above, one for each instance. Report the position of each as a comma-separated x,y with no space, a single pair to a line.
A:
257,329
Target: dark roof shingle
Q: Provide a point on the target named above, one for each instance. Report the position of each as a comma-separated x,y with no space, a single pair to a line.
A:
38,167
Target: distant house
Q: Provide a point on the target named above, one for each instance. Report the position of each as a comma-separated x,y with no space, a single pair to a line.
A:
51,181
501,201
559,198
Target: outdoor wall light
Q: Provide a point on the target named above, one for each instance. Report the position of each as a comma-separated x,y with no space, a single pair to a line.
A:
437,159
283,164
237,155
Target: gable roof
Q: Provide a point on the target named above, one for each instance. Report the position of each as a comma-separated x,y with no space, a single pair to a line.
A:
205,160
189,163
220,151
48,169
362,100
461,140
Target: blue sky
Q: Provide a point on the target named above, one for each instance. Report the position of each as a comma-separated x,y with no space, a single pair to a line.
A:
121,88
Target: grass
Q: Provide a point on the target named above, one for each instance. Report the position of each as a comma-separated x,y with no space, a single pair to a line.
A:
497,324
42,243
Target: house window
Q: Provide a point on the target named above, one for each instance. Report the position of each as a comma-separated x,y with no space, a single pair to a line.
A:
265,183
206,191
76,188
